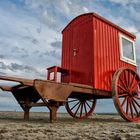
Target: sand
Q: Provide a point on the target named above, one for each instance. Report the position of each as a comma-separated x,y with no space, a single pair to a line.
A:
98,127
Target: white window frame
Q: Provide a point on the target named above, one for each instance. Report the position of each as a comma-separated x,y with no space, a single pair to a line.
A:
123,58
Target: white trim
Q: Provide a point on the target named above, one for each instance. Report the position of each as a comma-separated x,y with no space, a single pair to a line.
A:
123,58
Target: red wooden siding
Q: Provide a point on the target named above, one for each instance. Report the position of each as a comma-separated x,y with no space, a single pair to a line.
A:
66,43
98,53
80,66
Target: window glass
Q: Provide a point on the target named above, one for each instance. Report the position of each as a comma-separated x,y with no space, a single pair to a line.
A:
128,50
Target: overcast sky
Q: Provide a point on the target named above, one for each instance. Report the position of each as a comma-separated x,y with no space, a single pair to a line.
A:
30,32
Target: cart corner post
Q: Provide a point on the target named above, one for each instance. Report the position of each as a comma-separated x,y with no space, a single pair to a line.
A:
53,114
26,109
26,113
53,110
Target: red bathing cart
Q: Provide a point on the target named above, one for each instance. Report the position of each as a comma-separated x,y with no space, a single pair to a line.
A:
98,61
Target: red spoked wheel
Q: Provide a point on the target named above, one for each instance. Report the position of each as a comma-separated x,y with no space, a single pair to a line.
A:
80,108
126,94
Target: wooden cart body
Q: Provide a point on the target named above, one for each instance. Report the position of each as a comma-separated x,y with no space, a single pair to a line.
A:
49,93
91,51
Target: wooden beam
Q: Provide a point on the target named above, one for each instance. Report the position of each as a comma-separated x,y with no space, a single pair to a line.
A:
20,80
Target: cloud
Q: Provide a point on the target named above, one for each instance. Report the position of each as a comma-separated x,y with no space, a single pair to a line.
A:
2,66
56,44
31,39
24,70
125,2
1,56
55,14
26,48
2,73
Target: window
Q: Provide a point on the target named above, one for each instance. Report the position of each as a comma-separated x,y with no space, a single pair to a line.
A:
127,50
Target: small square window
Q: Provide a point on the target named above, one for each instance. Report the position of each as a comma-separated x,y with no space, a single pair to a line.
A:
127,47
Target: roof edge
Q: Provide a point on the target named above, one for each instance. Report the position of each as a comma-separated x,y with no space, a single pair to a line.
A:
103,19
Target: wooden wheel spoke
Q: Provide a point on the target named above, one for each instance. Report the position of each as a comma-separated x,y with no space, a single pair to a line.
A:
137,97
90,101
127,106
124,85
123,95
135,108
131,84
128,78
77,109
136,102
119,86
125,78
85,108
88,105
74,106
131,109
81,110
72,100
124,101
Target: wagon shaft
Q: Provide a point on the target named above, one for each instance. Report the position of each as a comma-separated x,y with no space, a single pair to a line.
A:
20,80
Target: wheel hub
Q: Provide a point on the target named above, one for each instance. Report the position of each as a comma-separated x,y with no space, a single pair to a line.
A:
132,93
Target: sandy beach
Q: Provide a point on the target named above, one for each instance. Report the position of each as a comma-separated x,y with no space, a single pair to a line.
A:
98,127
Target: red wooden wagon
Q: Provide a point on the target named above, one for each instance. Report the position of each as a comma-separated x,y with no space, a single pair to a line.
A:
98,61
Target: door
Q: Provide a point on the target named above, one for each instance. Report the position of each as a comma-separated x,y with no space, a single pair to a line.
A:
81,54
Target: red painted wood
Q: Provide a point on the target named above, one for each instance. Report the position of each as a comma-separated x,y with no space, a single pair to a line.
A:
106,54
96,41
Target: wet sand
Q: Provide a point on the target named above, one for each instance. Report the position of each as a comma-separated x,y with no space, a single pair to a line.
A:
98,127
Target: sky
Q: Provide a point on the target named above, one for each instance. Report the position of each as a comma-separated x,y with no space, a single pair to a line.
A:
30,35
